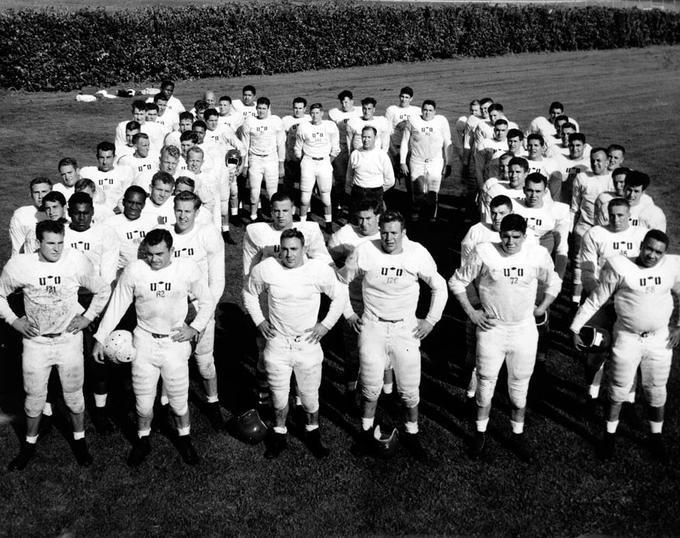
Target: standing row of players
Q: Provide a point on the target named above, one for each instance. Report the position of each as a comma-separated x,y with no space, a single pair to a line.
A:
389,328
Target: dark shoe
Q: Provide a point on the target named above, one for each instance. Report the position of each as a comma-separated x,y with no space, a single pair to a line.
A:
214,413
226,236
140,450
102,422
478,445
658,447
364,444
25,455
236,220
276,443
314,444
81,452
519,445
328,228
413,443
186,450
607,446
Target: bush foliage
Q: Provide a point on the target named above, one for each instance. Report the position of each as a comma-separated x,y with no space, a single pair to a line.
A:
62,50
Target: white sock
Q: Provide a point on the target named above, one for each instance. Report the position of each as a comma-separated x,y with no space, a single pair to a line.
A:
298,401
311,427
388,387
655,427
470,394
411,427
225,227
612,425
100,400
328,218
78,435
367,423
144,433
164,399
47,409
212,399
253,216
183,431
594,391
517,427
482,424
234,211
281,429
31,439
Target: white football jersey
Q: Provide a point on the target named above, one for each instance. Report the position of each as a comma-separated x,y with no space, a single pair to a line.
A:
130,233
290,127
587,187
397,117
340,118
100,245
112,183
550,218
143,169
264,137
426,140
317,141
23,221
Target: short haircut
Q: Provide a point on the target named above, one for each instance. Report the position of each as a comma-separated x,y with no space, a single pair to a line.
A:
556,105
54,196
139,136
132,126
520,161
158,236
200,105
151,106
167,82
621,171
210,113
67,161
186,196
618,202
598,149
134,189
315,106
138,104
106,146
485,100
507,155
536,177
368,204
370,128
263,101
195,149
199,123
171,150
249,88
186,116
536,136
430,102
224,98
391,216
515,133
500,200
567,125
300,100
84,183
406,90
576,137
496,106
368,101
160,96
293,233
634,178
616,147
79,198
51,226
280,196
514,223
656,235
39,181
563,118
185,180
473,103
500,122
163,177
345,93
188,135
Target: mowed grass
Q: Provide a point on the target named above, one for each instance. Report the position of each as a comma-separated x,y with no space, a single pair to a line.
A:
624,96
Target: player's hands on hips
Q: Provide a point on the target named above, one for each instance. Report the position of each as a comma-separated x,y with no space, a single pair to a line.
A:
577,341
282,171
98,352
404,169
184,333
674,337
481,319
78,323
355,323
316,333
26,327
267,330
423,328
539,312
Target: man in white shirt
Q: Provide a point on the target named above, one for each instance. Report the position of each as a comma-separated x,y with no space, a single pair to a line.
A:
110,179
167,118
159,204
398,116
341,115
291,122
389,332
160,286
141,163
186,121
229,116
26,217
293,285
369,170
643,211
69,173
355,126
247,105
491,149
641,288
168,89
52,329
576,162
507,276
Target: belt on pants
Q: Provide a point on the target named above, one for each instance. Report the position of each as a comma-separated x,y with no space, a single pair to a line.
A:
158,335
259,155
317,158
51,335
390,320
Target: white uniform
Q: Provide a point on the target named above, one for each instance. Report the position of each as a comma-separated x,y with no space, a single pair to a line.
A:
265,142
63,189
51,301
390,293
429,146
22,222
204,245
112,183
143,169
488,151
507,285
549,225
100,245
293,307
233,120
380,123
587,187
174,104
169,121
341,118
648,215
643,304
370,169
164,215
290,127
599,244
315,145
397,117
160,298
245,111
130,233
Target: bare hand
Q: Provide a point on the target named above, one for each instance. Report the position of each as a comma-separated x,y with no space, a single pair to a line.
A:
267,330
184,333
355,323
482,320
404,169
673,338
316,333
423,328
539,312
78,323
577,341
25,327
98,352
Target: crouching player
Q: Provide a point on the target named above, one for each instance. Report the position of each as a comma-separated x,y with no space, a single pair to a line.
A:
160,286
293,284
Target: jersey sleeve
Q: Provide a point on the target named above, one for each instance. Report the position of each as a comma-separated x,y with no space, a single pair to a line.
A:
251,295
316,249
547,277
110,254
89,279
250,253
121,299
608,284
467,273
16,234
199,289
337,292
9,283
428,273
589,261
215,251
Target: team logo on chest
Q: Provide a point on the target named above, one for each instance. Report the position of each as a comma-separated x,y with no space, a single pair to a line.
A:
513,274
184,252
650,283
159,288
391,274
50,283
427,131
622,247
81,245
135,235
106,181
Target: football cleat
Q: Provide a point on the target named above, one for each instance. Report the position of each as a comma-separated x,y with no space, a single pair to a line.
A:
215,417
81,452
478,444
519,445
658,447
26,454
140,450
187,451
316,447
607,446
364,445
413,443
276,443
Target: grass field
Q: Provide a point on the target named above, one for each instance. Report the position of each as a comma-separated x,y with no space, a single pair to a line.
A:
623,96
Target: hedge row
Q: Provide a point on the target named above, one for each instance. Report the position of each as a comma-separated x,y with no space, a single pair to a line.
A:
61,50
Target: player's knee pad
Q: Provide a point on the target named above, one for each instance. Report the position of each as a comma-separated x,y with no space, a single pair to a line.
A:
279,398
371,392
144,406
326,198
310,400
411,398
656,396
75,401
485,390
206,365
618,393
34,403
179,410
517,391
305,197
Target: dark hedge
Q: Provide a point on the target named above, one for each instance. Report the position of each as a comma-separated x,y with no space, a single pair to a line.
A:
61,50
